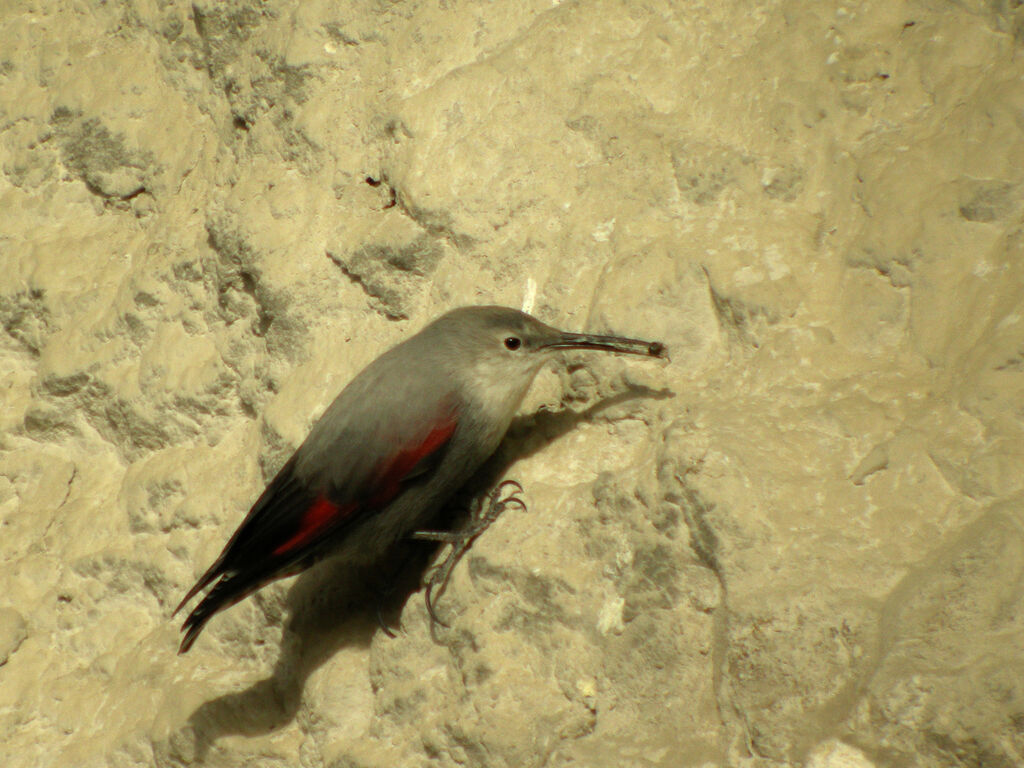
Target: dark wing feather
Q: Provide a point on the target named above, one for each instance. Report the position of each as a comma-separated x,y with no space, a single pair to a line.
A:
281,502
291,521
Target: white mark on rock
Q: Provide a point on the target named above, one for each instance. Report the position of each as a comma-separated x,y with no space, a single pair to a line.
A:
610,617
603,231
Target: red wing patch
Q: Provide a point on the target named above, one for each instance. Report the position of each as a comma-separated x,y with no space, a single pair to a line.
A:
405,461
321,513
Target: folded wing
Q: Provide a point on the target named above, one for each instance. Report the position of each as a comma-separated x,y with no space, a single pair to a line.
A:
314,499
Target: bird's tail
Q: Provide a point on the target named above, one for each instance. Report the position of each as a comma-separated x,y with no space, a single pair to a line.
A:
225,593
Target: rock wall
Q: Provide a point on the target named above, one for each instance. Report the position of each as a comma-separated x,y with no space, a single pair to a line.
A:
800,542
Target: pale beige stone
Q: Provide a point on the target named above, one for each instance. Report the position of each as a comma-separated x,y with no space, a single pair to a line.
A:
798,541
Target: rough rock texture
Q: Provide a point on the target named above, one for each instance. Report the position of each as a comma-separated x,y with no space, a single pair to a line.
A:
801,542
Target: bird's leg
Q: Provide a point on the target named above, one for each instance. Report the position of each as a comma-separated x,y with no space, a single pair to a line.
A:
484,512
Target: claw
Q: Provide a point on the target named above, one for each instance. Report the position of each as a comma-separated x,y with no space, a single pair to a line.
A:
430,606
514,483
383,624
384,591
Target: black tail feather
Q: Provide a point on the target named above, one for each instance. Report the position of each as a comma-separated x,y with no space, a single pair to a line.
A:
204,581
225,593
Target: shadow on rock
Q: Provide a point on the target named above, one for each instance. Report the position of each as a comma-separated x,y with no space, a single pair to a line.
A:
332,607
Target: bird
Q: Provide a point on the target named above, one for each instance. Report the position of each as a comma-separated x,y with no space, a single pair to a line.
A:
397,443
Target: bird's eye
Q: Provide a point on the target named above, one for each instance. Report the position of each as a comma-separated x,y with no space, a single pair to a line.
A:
513,342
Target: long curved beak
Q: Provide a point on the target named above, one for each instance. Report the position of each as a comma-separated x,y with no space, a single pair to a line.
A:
607,344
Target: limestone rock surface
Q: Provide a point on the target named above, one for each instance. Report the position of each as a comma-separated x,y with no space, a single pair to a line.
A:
798,542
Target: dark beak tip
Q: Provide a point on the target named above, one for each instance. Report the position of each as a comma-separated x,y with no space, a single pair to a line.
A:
610,344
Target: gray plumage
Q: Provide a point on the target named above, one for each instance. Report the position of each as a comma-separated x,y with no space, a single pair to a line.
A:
399,441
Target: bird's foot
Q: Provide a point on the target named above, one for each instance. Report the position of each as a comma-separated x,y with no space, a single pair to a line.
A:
484,512
385,591
382,623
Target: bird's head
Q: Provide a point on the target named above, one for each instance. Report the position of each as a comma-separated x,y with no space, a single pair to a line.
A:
497,351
